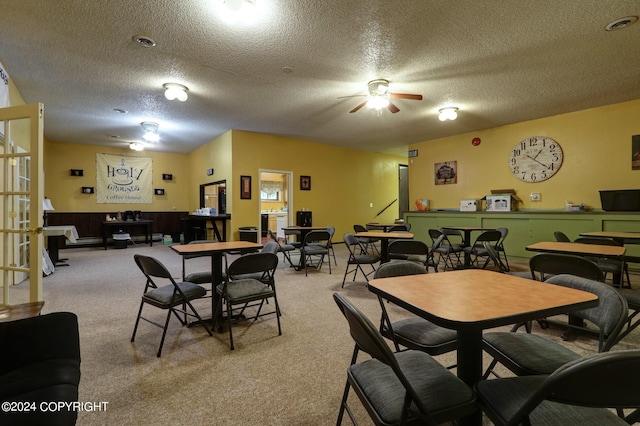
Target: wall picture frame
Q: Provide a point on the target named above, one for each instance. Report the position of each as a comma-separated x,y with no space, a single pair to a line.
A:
245,187
305,183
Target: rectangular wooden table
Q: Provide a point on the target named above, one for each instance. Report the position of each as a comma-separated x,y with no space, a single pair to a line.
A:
112,225
216,251
472,300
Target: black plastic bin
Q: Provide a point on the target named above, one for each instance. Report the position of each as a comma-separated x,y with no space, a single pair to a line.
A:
248,233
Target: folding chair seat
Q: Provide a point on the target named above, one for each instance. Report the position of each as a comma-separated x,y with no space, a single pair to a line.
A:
284,248
415,332
406,387
200,277
368,244
356,259
531,354
239,290
315,247
582,392
169,296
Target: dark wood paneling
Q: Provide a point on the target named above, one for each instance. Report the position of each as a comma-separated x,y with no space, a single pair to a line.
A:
89,225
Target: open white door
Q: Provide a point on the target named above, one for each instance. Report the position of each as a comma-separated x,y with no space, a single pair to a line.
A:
21,195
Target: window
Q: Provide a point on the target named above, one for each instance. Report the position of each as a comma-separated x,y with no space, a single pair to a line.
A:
270,191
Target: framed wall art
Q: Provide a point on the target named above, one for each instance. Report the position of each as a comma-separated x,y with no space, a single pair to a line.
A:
245,187
305,183
446,173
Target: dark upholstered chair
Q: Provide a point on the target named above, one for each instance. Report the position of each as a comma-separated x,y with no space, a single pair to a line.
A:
40,362
315,246
448,252
415,332
238,290
580,392
412,250
561,237
368,244
478,251
201,277
531,354
357,258
283,247
163,292
612,266
406,387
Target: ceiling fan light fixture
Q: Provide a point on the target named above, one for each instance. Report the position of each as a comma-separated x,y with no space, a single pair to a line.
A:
150,131
136,146
175,91
449,113
377,102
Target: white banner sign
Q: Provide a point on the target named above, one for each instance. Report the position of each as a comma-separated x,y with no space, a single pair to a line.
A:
121,179
4,87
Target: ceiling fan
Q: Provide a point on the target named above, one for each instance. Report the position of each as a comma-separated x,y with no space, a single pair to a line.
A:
379,96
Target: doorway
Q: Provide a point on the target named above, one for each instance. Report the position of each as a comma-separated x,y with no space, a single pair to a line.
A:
403,190
275,201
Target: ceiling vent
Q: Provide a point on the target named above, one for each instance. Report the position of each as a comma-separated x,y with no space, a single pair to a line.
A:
144,41
621,23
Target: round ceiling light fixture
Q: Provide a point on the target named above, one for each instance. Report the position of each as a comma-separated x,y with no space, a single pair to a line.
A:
150,131
621,23
378,94
175,91
136,146
449,113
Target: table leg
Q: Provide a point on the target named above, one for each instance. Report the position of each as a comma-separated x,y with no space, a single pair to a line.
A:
469,354
384,250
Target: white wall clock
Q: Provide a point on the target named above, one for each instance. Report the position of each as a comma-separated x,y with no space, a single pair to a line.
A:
535,159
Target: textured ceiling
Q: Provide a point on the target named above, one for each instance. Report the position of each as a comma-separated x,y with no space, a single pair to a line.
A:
499,61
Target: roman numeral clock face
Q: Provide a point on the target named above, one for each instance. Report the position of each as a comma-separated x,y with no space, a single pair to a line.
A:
535,159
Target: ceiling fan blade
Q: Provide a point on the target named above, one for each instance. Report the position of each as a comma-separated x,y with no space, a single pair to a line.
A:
350,96
393,108
358,107
406,96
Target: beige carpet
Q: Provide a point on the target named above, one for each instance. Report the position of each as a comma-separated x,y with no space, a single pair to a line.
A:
293,379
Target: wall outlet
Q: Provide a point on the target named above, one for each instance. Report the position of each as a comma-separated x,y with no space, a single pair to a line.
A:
370,204
535,196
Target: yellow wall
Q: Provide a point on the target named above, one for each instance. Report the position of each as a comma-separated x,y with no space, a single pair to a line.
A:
597,156
343,181
215,155
65,193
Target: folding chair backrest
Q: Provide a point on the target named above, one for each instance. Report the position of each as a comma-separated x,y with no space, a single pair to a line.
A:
408,247
606,380
368,339
543,265
395,269
253,262
611,313
270,247
317,236
350,241
359,228
152,267
561,237
490,236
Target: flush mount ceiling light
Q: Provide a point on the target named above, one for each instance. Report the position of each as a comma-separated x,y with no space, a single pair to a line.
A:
449,113
378,94
175,91
136,146
150,131
621,23
241,6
